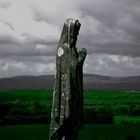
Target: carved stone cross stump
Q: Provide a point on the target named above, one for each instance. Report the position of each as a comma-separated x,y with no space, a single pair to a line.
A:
67,106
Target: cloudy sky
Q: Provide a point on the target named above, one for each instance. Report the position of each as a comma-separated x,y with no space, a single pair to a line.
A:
30,31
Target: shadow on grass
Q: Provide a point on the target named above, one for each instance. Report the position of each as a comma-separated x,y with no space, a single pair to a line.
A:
131,137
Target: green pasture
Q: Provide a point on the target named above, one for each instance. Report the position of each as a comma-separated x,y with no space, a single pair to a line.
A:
26,96
108,115
126,119
100,106
90,132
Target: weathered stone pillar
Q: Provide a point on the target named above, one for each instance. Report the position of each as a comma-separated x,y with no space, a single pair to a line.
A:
67,107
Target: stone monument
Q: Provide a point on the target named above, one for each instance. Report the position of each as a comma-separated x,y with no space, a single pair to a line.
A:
67,106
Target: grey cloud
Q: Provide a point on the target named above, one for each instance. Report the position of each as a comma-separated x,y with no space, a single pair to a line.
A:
8,24
108,28
33,65
111,16
11,46
114,34
5,4
113,65
7,40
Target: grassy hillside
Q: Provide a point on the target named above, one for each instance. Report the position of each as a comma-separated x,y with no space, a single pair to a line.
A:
90,132
109,115
34,106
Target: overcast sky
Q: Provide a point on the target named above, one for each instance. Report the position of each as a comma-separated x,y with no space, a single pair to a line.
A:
30,31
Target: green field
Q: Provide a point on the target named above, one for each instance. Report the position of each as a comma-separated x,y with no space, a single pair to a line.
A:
108,115
34,106
90,132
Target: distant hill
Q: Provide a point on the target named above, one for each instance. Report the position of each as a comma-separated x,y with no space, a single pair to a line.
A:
112,83
90,82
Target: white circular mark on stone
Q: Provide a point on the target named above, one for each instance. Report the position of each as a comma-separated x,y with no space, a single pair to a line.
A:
62,94
60,51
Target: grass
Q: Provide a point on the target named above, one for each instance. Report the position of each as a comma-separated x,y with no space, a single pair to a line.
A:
36,104
91,97
119,103
28,104
126,119
90,132
26,96
24,132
